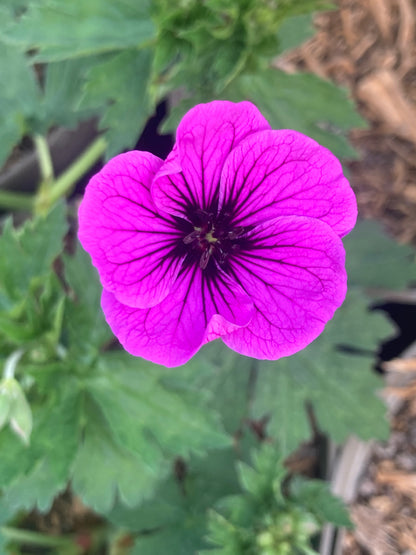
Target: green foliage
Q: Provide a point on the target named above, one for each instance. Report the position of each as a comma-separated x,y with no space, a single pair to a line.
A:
244,33
60,31
115,431
227,376
221,500
26,108
118,85
209,49
303,102
31,303
19,97
60,103
272,516
166,424
174,520
334,373
86,329
162,453
108,422
375,260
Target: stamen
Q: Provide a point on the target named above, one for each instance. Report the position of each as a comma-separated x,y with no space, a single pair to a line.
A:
188,239
236,232
205,256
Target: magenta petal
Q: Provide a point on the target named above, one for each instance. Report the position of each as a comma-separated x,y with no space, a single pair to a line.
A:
205,137
129,240
196,311
294,273
285,173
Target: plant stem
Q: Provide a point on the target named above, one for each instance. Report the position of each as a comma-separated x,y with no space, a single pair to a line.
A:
34,538
42,201
68,179
16,201
45,160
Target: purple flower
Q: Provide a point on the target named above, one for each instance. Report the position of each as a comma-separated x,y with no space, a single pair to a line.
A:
235,235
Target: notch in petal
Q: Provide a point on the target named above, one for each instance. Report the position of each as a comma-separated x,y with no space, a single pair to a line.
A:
205,137
195,312
130,241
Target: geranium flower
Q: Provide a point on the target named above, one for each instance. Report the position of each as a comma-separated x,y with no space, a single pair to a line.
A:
236,235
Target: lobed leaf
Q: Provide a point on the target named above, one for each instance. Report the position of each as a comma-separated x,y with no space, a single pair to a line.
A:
335,374
33,475
128,389
31,249
86,329
303,102
316,496
376,260
226,376
19,97
174,520
62,93
112,428
59,30
119,86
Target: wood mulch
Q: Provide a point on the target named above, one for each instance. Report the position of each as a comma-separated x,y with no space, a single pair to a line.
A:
369,47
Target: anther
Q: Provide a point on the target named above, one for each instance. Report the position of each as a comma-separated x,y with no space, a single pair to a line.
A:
188,239
205,256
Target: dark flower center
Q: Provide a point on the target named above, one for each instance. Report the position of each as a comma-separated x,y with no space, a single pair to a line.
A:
210,238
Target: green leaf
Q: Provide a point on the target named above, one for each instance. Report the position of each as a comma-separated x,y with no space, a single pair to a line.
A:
62,93
137,426
266,468
316,496
28,253
25,109
112,428
263,519
36,322
294,31
226,376
335,374
104,469
376,260
120,84
130,389
85,326
302,102
19,97
33,475
59,30
174,520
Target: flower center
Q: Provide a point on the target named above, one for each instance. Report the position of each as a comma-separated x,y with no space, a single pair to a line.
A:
212,237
